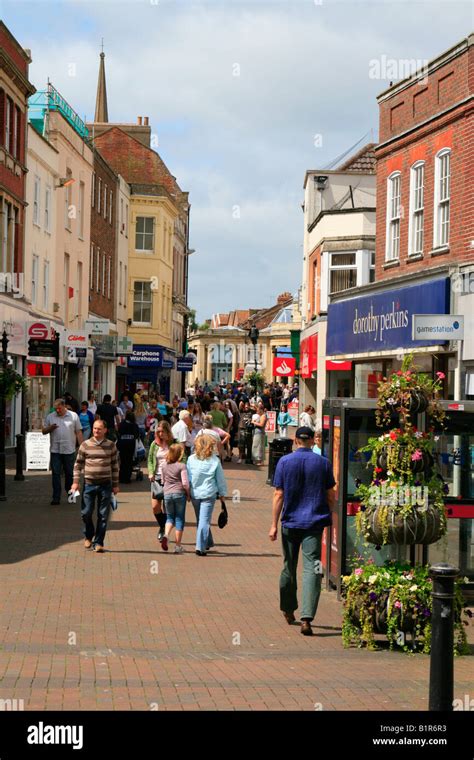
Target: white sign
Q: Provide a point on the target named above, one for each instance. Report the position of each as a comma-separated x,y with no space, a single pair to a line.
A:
97,326
37,451
442,326
76,339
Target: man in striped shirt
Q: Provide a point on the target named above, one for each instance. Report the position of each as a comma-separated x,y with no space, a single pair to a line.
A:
97,460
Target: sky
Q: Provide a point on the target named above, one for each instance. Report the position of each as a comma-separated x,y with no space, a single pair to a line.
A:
243,97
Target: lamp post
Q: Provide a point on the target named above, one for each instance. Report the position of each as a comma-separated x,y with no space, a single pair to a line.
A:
253,335
3,411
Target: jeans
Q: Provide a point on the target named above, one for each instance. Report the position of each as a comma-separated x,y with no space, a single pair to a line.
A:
175,506
102,492
58,461
310,542
203,509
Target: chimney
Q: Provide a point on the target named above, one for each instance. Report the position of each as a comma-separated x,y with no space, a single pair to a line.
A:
283,298
145,121
139,120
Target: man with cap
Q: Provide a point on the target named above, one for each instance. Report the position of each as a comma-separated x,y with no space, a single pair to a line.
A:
304,492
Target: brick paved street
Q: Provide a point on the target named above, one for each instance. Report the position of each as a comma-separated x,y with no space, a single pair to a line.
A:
95,632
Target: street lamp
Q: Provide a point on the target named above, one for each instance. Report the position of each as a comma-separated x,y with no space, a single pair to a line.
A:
253,335
3,410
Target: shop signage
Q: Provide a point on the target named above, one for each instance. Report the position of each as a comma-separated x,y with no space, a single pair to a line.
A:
37,451
383,320
444,326
97,326
184,365
283,366
41,347
124,345
146,356
294,412
168,361
75,339
39,330
309,355
16,332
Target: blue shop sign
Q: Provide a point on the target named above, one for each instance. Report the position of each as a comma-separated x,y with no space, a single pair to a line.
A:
384,320
184,365
146,356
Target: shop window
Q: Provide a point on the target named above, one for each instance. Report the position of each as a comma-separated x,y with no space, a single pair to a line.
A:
366,379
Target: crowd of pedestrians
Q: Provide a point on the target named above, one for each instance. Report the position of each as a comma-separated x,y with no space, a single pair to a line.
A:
185,443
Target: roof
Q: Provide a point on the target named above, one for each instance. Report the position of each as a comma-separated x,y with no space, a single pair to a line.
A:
363,161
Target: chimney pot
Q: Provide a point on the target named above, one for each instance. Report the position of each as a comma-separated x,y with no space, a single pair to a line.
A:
139,120
145,121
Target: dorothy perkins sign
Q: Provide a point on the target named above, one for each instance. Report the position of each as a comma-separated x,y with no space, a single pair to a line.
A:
384,320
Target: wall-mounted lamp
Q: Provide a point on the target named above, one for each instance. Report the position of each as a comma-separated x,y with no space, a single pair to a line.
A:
65,182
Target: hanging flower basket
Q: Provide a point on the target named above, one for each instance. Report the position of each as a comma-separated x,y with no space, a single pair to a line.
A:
385,525
395,600
11,383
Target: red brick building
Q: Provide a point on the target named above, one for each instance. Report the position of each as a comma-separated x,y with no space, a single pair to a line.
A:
425,167
103,264
15,90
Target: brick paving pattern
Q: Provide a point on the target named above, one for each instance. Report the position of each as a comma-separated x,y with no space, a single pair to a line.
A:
138,629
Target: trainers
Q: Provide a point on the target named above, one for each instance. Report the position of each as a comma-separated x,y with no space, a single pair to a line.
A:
164,544
87,543
160,535
98,548
239,461
306,629
178,550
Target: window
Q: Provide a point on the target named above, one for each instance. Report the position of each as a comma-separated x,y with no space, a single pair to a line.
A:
66,288
109,275
142,296
34,280
111,201
16,132
104,264
68,211
392,251
36,201
372,267
91,269
144,233
78,311
342,272
7,258
97,270
93,189
47,209
417,182
120,284
8,124
105,201
99,196
46,285
80,211
442,198
125,285
126,220
122,224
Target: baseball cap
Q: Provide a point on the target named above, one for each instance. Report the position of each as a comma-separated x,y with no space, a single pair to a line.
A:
304,433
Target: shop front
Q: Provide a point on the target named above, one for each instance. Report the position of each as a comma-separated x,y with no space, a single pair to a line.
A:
149,369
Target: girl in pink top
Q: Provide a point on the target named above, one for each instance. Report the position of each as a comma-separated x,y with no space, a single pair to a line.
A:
176,489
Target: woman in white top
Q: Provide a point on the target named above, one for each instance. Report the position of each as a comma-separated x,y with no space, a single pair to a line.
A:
221,437
307,417
92,408
198,420
258,443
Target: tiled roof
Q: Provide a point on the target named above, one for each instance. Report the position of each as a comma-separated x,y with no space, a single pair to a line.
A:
363,161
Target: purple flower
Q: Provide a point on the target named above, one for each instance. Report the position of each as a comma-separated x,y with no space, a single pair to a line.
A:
373,596
417,482
445,488
376,482
363,508
427,612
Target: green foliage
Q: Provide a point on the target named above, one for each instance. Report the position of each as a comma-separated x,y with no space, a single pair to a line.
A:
395,599
11,383
256,379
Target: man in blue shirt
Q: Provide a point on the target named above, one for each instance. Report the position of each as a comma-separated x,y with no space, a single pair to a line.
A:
304,492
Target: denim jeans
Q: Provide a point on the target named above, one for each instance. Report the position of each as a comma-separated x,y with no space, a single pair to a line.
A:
58,461
175,506
102,492
310,542
203,509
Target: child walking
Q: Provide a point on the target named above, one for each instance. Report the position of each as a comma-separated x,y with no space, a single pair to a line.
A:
176,491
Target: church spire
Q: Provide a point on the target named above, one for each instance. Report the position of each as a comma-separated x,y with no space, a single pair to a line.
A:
101,111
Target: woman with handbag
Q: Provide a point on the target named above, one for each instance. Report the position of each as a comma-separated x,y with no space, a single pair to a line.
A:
127,436
207,482
156,456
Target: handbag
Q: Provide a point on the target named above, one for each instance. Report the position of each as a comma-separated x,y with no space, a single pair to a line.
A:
223,518
157,490
139,450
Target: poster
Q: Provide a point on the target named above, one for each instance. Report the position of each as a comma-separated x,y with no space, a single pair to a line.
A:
37,451
270,427
294,412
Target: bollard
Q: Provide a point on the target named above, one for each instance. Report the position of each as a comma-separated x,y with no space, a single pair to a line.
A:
20,448
248,444
442,637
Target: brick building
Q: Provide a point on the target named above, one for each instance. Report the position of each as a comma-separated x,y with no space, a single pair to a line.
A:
424,232
15,88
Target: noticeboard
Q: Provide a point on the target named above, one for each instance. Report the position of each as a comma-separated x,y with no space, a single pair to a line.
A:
293,411
37,451
270,427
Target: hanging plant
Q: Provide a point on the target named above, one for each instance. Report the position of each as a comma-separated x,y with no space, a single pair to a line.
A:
395,600
11,383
